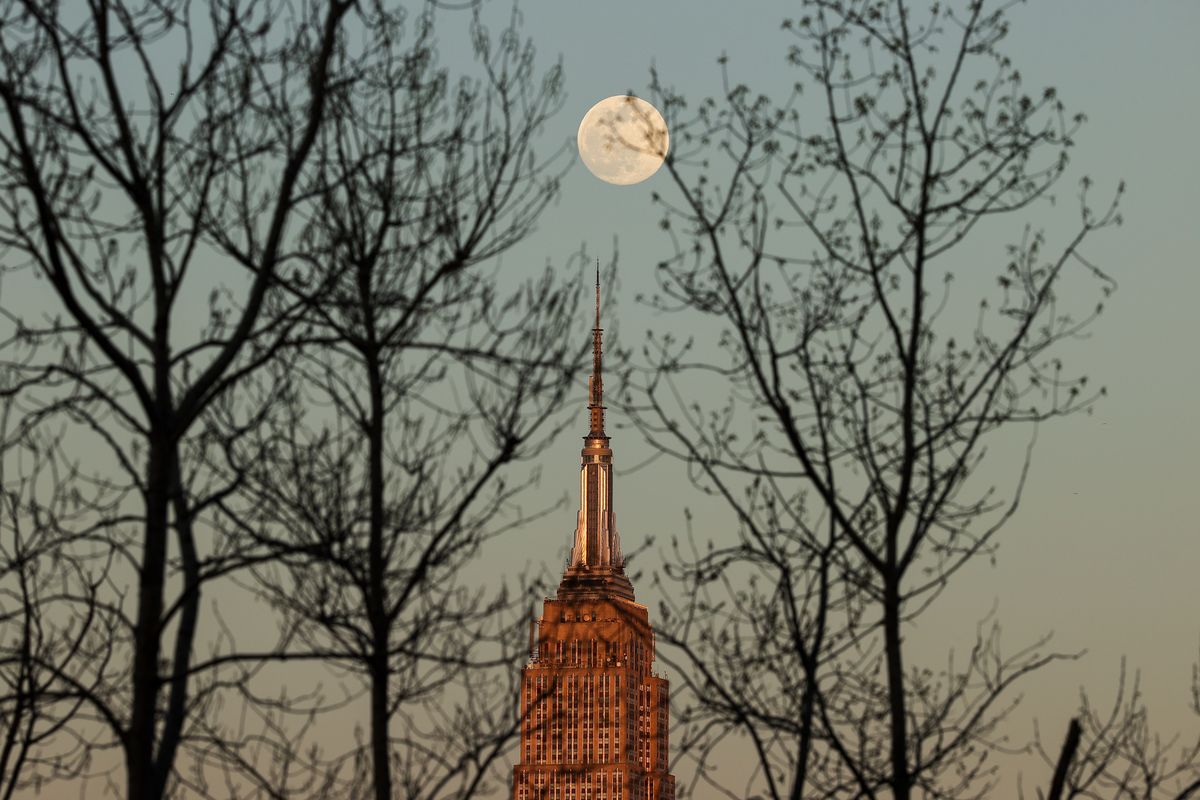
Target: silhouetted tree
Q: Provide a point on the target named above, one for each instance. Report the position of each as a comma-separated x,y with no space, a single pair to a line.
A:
54,628
821,232
130,132
418,379
1118,756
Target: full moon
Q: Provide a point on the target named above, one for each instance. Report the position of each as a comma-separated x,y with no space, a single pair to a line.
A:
623,139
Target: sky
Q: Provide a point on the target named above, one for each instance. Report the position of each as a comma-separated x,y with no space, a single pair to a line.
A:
1104,550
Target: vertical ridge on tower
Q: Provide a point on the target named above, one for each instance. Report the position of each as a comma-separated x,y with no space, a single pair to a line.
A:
596,563
596,381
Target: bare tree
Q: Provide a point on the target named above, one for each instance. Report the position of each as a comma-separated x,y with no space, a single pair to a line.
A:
129,131
1116,755
821,233
418,379
54,627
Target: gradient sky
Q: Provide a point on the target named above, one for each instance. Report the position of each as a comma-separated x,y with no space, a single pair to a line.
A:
1105,549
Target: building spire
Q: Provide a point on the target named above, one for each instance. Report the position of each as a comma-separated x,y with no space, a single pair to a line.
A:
597,566
595,382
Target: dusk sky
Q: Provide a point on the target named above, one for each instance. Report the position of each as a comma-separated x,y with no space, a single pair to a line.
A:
1104,551
1105,548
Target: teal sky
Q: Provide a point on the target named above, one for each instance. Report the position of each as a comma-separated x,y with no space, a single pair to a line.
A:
1105,548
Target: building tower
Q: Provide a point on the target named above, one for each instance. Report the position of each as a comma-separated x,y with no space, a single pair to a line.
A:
594,717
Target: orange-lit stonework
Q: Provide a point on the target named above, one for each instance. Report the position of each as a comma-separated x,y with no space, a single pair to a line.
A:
594,716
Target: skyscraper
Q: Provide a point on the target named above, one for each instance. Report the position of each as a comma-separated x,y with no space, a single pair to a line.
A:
594,716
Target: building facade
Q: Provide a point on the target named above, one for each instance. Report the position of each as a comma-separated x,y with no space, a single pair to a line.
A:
595,719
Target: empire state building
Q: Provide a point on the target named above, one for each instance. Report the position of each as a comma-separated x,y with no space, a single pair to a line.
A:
594,717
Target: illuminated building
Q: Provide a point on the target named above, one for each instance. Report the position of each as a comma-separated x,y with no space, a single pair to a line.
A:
594,716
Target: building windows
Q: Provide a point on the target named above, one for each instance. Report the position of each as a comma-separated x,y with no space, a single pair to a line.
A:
595,717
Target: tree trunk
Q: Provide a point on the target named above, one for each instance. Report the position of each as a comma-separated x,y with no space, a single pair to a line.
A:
1070,745
377,599
805,749
380,745
901,781
185,634
139,747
